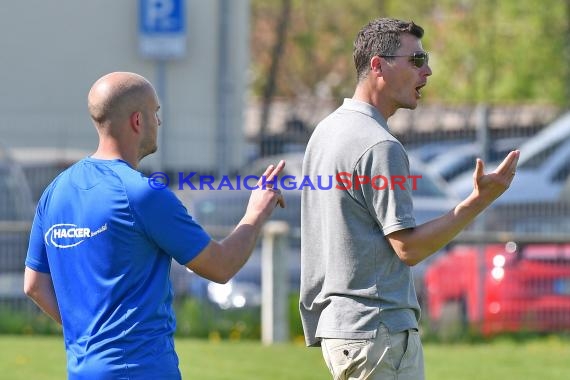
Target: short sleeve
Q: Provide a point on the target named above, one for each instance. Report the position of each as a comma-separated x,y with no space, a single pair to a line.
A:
387,195
167,222
36,257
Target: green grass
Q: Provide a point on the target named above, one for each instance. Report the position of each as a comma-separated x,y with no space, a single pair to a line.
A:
42,357
503,359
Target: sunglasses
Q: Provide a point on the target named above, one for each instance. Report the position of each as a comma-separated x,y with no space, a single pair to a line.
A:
418,58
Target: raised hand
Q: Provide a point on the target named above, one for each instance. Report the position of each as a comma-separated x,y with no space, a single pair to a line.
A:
490,186
265,198
266,181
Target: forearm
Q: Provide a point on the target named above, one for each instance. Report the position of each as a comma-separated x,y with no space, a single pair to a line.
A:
239,245
48,305
39,287
220,261
414,245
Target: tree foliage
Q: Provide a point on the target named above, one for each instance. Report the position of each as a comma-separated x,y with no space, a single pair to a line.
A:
493,51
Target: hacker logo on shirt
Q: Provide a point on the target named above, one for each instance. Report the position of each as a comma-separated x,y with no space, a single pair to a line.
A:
66,235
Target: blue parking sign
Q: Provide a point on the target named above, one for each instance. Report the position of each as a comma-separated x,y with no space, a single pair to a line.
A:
162,28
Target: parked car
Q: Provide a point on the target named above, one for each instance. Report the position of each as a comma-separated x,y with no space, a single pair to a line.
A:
219,211
535,181
543,167
461,159
16,213
543,218
500,288
42,165
429,151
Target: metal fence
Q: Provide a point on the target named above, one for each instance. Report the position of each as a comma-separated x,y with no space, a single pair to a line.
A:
508,272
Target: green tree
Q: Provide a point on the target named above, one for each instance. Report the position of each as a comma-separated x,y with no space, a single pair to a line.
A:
493,51
498,51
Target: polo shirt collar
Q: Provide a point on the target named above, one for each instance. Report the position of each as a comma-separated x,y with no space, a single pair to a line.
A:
366,109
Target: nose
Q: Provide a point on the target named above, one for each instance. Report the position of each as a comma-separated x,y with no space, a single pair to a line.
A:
427,70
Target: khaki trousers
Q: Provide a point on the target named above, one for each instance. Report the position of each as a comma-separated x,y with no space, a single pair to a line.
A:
388,356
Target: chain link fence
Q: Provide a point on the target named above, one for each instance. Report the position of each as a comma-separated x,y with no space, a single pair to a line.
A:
508,272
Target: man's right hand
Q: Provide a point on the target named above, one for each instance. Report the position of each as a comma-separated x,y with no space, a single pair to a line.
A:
265,198
220,261
490,186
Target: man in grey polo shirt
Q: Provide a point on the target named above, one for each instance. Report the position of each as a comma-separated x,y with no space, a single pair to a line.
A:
359,238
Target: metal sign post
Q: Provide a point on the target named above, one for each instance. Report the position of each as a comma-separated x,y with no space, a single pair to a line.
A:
162,37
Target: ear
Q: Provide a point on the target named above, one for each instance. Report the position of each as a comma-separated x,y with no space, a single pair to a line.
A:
376,65
136,121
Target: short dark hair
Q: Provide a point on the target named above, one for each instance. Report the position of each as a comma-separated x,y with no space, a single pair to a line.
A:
380,37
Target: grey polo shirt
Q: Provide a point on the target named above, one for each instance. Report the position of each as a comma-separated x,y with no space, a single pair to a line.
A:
351,278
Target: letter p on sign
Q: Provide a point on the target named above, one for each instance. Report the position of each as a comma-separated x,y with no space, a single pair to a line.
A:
162,28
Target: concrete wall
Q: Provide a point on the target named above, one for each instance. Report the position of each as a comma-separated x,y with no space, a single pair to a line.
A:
52,52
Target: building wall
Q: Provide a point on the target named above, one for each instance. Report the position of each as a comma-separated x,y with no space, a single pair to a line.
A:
52,52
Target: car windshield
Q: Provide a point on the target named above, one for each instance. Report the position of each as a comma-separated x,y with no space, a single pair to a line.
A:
533,162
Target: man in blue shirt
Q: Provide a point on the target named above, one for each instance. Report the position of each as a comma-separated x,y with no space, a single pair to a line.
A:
102,242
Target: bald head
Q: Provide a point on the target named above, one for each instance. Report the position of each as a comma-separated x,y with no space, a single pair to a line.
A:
124,108
114,97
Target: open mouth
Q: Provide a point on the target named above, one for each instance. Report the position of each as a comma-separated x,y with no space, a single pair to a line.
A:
418,90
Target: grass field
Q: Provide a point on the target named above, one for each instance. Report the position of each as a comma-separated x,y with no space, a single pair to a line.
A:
42,358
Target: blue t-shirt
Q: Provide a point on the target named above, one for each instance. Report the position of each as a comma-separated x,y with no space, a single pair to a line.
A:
108,238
